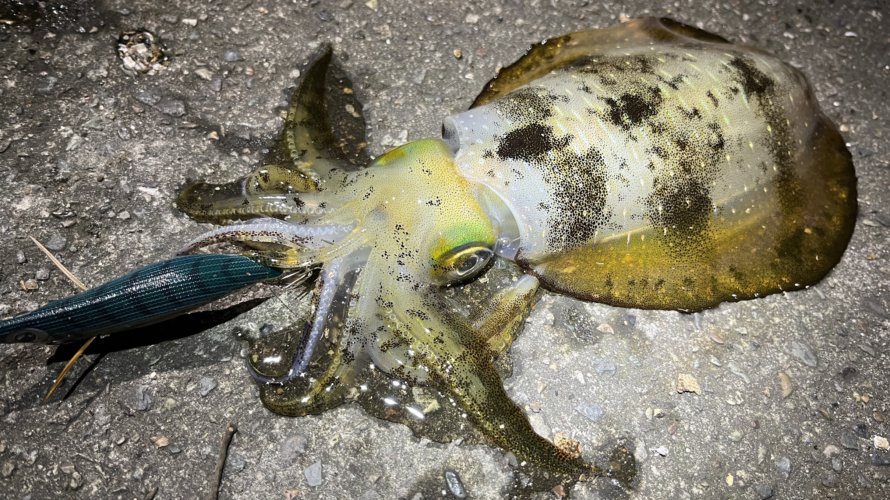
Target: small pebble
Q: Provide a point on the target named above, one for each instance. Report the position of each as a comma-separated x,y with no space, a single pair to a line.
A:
20,257
640,451
592,411
803,353
881,443
204,73
687,383
140,399
849,440
205,385
836,464
605,367
231,55
454,484
764,491
830,451
313,474
291,448
148,98
160,441
861,429
236,463
829,480
76,480
662,450
786,384
7,469
30,284
172,107
56,242
783,465
42,274
881,459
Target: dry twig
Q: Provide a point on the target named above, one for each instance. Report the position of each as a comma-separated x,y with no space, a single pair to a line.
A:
216,480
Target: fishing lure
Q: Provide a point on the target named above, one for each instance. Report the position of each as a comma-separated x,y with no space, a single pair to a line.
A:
146,296
648,165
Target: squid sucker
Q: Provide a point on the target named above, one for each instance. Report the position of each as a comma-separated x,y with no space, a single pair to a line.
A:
647,165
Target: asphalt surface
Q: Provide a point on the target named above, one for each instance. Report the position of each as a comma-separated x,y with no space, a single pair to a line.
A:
793,388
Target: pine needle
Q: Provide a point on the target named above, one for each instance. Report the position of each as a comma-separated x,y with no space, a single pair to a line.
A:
79,284
74,279
68,366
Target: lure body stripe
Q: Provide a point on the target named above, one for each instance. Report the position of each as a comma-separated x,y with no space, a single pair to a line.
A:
148,295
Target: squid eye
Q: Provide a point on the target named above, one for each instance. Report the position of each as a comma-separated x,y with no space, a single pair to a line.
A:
462,264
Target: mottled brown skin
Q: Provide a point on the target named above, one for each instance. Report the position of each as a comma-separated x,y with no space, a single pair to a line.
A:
680,170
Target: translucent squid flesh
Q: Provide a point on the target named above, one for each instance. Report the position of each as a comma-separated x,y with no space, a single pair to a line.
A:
148,295
648,165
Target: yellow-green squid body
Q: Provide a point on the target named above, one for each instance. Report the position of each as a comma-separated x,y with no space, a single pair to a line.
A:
648,165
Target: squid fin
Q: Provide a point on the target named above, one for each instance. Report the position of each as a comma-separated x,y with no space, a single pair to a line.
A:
562,51
324,132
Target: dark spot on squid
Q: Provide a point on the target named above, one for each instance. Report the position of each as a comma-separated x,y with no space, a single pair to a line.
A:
632,109
673,83
692,114
527,104
685,209
713,98
578,194
530,143
753,81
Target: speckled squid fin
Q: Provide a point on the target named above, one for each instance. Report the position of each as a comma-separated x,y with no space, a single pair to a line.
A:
789,246
562,51
324,128
324,133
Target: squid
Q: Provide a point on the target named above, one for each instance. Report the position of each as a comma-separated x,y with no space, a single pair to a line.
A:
646,165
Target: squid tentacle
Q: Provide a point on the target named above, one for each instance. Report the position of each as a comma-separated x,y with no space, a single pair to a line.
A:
457,355
332,276
339,363
269,230
206,202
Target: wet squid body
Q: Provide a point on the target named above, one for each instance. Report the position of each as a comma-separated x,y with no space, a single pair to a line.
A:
647,165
